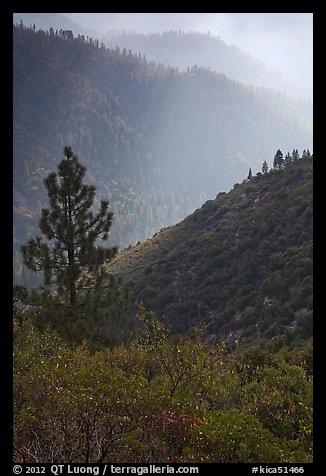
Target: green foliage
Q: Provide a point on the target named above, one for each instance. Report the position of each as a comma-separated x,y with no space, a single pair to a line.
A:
236,437
240,268
158,399
241,264
79,298
278,160
127,117
264,168
73,227
20,297
286,405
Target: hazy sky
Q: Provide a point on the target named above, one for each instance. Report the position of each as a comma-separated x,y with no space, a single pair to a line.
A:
282,40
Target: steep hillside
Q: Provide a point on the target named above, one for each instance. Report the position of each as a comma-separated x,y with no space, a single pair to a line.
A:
242,264
156,142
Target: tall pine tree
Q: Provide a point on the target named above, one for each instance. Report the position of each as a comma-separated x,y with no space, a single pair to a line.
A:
68,254
278,160
295,154
264,168
288,159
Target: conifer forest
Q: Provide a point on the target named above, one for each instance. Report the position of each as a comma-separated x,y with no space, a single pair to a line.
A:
162,244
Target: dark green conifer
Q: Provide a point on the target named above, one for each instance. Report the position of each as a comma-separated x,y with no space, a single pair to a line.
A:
288,158
278,160
295,154
264,168
68,254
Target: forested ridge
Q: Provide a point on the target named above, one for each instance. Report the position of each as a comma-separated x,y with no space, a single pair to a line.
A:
185,49
195,345
241,264
155,394
157,141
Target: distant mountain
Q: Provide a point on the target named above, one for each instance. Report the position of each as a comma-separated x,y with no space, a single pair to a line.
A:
57,21
184,50
157,142
241,264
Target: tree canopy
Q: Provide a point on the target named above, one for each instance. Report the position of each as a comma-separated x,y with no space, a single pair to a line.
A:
68,253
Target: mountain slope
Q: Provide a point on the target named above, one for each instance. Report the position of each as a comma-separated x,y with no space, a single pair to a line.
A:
184,50
57,21
241,264
156,142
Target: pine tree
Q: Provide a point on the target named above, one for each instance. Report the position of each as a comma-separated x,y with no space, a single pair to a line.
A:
295,154
72,266
264,168
249,175
278,160
306,154
288,158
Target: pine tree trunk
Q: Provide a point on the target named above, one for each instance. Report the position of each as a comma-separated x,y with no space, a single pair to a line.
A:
72,283
71,254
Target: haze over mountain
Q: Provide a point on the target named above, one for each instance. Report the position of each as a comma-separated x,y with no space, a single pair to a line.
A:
158,142
183,50
281,41
194,345
57,21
